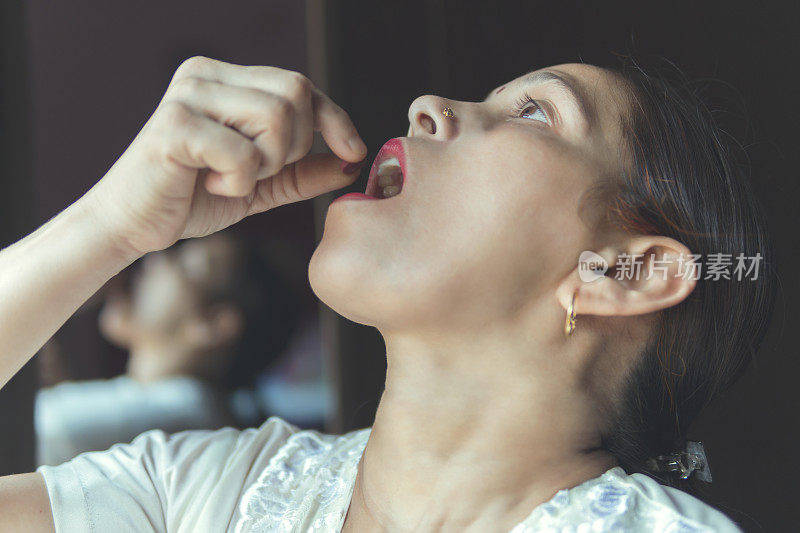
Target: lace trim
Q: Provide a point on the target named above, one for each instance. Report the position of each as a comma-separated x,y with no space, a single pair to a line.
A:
605,503
306,486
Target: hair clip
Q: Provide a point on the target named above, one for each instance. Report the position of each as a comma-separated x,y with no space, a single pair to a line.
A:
690,461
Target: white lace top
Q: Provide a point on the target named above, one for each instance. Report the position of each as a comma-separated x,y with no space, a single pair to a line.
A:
279,478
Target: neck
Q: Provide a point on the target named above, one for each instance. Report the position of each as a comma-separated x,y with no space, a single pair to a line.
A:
472,435
149,362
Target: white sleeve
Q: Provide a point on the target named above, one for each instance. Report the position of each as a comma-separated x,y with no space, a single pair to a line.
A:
160,482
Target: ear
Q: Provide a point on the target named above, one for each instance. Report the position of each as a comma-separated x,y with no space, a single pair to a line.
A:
647,273
216,327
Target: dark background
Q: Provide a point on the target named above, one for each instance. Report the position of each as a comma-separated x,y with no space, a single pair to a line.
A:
80,78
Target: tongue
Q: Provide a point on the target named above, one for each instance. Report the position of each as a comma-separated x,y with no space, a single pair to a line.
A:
390,182
390,176
388,192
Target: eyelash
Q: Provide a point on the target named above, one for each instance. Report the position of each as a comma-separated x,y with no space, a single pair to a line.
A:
524,102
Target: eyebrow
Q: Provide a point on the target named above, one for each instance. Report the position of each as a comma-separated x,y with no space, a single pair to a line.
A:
565,83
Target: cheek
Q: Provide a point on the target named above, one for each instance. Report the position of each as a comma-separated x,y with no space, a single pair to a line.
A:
506,214
487,229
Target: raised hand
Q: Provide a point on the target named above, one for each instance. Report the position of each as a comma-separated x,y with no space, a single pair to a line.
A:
226,141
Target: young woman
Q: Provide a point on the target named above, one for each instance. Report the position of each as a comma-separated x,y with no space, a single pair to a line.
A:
464,254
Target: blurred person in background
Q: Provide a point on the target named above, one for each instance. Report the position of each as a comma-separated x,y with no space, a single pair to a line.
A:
200,320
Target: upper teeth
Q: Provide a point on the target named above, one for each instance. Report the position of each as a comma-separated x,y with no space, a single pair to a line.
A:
390,177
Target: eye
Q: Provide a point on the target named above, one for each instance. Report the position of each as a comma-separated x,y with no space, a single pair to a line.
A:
527,107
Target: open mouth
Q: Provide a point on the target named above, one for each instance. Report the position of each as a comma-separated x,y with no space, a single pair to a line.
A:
387,175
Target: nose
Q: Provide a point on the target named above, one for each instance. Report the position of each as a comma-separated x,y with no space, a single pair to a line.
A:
426,117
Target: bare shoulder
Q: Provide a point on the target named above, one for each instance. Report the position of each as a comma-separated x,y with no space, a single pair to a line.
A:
24,504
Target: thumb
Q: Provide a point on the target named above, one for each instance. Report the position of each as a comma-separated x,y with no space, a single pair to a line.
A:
306,178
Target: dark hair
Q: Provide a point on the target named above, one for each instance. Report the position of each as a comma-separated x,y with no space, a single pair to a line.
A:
687,180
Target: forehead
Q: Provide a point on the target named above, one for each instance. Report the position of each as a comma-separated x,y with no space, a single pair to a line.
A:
605,91
596,82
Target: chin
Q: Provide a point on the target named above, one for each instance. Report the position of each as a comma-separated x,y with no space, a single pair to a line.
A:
340,281
362,271
353,278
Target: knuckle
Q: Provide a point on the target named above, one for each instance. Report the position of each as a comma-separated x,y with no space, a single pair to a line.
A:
278,115
193,66
282,110
263,71
274,157
271,165
249,158
175,115
340,117
186,86
298,87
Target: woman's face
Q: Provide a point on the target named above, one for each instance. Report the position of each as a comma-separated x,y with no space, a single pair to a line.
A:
487,222
165,292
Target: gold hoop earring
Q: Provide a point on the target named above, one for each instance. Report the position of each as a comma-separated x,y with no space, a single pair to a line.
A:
448,112
569,325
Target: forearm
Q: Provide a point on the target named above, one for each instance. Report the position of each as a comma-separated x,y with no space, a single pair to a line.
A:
205,125
46,276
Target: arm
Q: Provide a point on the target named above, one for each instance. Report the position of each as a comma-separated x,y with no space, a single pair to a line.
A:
24,504
46,277
225,142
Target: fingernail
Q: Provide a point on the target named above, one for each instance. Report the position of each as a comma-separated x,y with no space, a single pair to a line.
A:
357,145
352,168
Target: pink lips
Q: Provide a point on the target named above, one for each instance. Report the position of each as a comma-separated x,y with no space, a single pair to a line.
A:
392,148
355,196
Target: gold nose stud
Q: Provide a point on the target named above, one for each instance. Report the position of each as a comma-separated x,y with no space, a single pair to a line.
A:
448,112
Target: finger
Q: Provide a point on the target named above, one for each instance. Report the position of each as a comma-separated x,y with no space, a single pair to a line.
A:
266,118
303,126
265,78
337,129
309,177
197,142
262,77
287,85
